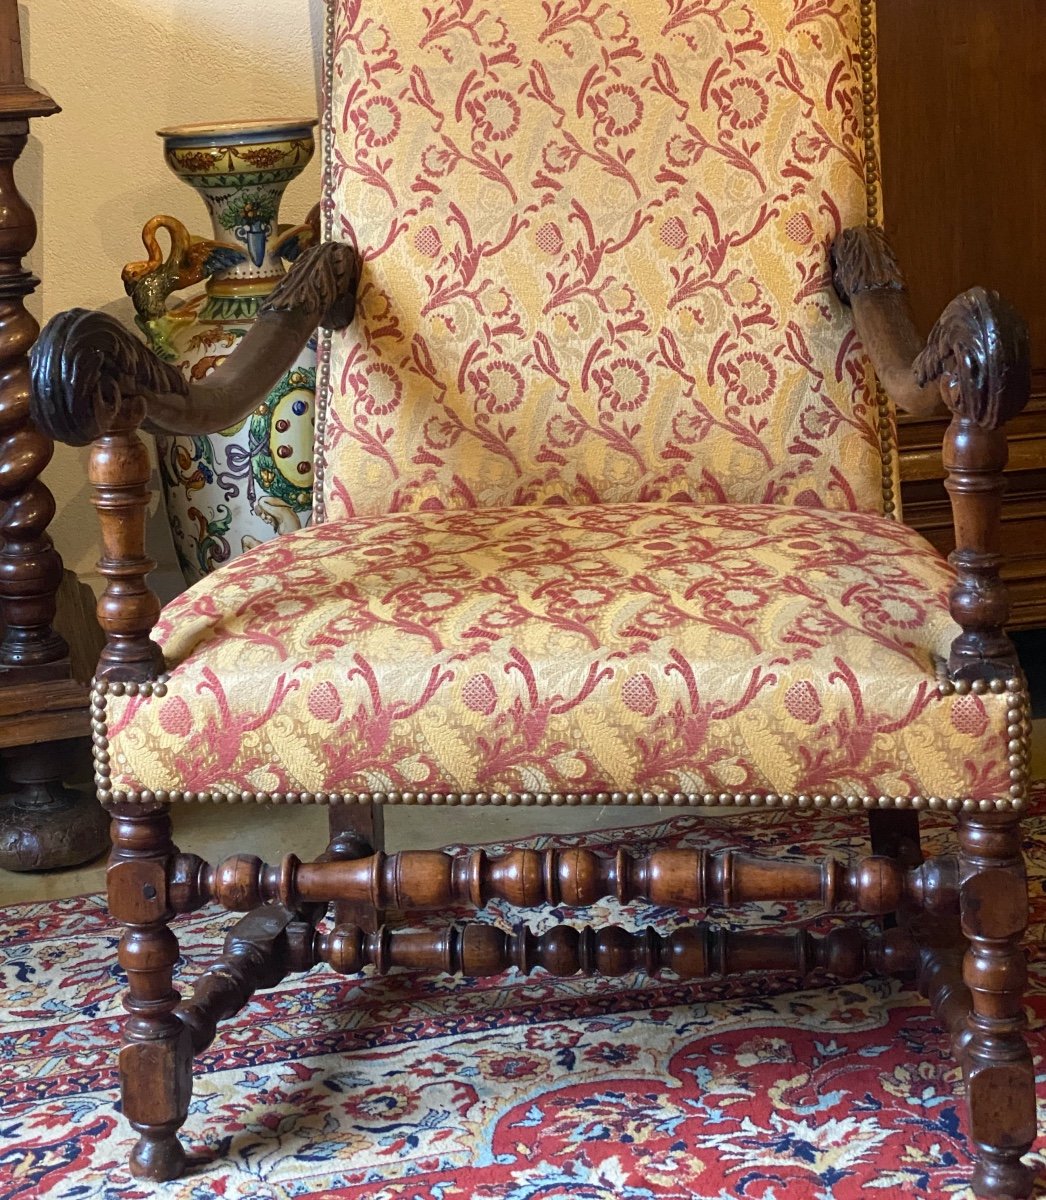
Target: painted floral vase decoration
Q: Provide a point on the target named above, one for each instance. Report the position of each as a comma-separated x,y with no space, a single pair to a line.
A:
229,491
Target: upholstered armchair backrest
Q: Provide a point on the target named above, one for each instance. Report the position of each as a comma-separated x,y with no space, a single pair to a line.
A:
595,238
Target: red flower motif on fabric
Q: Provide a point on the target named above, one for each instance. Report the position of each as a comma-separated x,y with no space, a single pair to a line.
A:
803,702
324,702
377,121
479,695
176,717
383,390
969,716
639,695
437,161
499,386
673,233
427,241
745,103
800,229
497,115
624,385
619,109
549,238
751,378
558,158
807,148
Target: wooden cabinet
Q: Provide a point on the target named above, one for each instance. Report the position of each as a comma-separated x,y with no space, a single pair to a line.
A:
962,86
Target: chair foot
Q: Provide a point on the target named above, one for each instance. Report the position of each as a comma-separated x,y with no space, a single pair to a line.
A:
1002,1177
158,1155
1000,1075
156,1058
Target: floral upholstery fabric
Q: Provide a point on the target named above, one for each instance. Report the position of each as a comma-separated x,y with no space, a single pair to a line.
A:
673,647
595,239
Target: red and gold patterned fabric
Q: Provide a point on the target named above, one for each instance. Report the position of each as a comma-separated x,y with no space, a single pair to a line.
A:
664,647
595,241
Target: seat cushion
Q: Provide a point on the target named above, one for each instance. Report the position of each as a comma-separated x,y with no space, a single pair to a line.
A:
677,650
595,241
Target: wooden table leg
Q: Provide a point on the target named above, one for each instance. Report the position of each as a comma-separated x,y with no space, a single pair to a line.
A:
43,823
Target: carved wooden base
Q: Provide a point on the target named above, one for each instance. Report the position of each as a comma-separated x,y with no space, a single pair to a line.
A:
973,973
43,824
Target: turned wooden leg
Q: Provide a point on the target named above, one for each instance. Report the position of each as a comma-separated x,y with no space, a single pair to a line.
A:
156,1059
895,833
1000,1079
357,830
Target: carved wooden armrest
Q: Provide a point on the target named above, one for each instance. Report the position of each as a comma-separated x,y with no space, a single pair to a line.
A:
89,371
976,360
94,382
869,280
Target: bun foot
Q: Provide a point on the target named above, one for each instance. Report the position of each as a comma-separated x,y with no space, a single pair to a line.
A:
43,824
1002,1178
159,1158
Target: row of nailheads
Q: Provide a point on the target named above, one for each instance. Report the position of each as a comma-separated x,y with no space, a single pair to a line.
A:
555,799
323,377
1018,725
871,179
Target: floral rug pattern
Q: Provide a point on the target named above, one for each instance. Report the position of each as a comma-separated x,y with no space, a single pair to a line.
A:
407,1088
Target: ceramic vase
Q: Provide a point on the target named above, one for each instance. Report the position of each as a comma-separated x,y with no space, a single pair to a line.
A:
229,491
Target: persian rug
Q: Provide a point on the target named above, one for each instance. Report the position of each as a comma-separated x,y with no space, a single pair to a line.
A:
406,1088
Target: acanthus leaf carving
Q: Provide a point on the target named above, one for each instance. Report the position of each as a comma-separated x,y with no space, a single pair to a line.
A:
863,261
321,285
90,375
979,350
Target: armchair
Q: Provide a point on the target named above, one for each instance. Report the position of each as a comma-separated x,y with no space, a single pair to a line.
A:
605,516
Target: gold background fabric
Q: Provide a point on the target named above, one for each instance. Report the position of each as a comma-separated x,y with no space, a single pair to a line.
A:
673,647
595,245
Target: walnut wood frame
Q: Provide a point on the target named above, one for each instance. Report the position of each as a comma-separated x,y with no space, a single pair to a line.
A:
93,382
977,360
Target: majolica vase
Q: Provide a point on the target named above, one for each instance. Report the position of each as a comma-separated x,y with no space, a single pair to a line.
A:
229,491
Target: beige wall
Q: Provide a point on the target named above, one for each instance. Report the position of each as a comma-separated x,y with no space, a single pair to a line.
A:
94,174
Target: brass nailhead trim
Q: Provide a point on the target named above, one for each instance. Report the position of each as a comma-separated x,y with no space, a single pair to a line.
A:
545,799
869,126
319,468
1018,730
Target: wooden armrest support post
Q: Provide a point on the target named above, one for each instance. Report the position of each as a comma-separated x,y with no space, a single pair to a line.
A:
976,360
93,382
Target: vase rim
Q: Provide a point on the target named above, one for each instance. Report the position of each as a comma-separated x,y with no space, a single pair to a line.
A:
231,130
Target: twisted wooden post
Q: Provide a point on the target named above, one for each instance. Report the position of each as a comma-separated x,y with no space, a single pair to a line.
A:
42,708
30,569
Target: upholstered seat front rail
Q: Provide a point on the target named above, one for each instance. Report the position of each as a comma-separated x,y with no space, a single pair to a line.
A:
605,653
